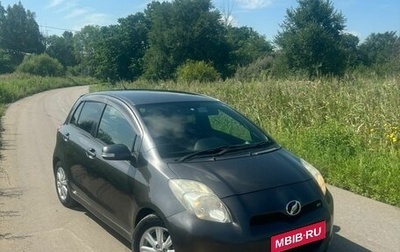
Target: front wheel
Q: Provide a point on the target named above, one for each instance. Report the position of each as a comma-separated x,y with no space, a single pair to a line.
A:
151,235
62,186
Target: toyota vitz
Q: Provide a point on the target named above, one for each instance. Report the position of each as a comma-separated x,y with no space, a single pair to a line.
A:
175,171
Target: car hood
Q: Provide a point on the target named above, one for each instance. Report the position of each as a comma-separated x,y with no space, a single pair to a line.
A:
237,175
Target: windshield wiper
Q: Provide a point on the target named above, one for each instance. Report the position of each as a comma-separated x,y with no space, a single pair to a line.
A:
202,152
218,151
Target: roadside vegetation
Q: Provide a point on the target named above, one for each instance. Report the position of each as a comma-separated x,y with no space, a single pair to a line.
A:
18,85
318,90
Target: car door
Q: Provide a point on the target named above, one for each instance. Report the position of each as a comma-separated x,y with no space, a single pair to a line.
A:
78,151
113,189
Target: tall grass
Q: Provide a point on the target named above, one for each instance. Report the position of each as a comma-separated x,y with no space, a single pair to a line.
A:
16,86
349,129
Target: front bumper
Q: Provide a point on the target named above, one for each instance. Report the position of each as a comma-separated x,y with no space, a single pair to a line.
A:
246,233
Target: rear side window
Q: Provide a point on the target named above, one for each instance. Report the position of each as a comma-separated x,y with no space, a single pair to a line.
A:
75,116
89,115
114,128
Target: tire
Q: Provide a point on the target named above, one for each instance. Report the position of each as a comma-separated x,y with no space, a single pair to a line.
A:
152,235
62,187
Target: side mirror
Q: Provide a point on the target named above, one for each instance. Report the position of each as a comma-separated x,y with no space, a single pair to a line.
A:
116,152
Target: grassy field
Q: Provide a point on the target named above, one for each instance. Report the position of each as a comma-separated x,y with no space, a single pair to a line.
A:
349,129
16,86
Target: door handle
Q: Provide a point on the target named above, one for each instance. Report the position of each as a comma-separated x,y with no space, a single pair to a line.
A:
65,137
91,153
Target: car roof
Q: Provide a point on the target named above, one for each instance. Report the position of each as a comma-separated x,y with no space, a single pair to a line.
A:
145,96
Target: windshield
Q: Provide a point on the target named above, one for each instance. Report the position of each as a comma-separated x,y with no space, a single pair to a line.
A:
181,128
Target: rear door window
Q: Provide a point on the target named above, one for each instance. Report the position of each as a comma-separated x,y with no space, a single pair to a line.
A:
88,116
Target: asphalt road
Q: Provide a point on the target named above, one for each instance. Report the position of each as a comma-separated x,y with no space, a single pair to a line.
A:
32,219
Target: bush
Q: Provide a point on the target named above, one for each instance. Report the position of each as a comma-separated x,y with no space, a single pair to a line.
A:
42,65
6,64
257,70
197,71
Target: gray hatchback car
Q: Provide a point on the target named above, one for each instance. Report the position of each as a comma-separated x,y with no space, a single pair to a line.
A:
175,171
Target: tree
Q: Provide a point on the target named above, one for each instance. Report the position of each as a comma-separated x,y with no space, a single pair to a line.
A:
85,44
2,20
19,30
246,46
182,30
2,17
117,53
107,54
350,49
62,48
381,52
379,48
133,33
19,34
311,38
6,63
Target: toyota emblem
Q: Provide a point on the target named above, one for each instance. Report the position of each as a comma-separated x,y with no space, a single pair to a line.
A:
293,207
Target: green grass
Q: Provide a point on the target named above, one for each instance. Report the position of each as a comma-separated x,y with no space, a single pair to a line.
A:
349,129
16,86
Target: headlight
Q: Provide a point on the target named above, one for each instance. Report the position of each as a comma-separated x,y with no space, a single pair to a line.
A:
316,174
200,200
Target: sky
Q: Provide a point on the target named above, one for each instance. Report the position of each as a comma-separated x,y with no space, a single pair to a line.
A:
363,17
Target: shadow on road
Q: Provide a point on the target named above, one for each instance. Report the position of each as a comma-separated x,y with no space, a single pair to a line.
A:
105,227
339,243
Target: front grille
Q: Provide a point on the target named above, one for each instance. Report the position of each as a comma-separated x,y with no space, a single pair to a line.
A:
282,216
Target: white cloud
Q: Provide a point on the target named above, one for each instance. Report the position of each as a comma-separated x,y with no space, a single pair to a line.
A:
54,3
254,4
77,12
355,33
96,19
66,7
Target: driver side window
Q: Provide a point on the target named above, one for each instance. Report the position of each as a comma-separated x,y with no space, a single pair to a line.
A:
114,128
87,116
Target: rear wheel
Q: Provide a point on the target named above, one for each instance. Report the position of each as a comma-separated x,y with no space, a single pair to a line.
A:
151,235
62,186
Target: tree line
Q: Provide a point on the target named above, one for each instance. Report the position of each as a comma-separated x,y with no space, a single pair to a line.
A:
192,39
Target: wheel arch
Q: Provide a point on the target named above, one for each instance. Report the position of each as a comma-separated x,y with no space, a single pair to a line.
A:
55,161
143,213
